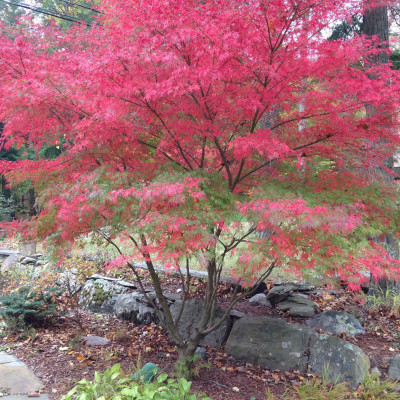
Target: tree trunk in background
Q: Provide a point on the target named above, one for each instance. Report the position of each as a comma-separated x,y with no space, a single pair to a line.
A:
376,23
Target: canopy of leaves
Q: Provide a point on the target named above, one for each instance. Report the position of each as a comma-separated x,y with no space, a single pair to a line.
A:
161,109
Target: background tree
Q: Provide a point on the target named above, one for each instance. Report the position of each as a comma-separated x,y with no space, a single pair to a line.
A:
158,109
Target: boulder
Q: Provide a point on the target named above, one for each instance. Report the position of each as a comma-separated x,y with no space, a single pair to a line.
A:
276,344
298,306
279,293
260,299
338,360
4,253
336,322
134,307
302,311
28,260
270,342
92,341
190,317
394,368
10,262
100,295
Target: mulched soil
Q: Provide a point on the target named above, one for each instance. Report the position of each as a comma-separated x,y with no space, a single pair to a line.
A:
60,358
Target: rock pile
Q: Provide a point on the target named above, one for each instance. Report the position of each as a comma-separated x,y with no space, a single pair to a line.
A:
276,344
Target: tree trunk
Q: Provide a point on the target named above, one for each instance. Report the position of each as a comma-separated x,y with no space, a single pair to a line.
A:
376,23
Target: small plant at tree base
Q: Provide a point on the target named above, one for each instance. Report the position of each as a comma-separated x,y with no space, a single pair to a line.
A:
113,385
191,367
27,307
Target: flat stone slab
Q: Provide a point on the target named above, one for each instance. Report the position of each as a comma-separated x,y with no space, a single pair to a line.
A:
8,252
7,358
16,377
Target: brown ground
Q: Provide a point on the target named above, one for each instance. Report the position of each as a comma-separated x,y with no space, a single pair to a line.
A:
59,358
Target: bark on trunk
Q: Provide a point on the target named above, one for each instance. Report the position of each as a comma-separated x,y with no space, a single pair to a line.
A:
376,23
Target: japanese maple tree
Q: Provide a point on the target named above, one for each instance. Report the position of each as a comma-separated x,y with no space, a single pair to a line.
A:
202,130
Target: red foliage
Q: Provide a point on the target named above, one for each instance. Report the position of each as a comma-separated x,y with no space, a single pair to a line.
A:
175,117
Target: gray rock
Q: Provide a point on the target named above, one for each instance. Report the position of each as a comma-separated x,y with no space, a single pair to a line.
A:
302,311
276,344
296,286
298,306
190,317
105,278
127,284
10,262
172,297
96,341
235,314
338,360
100,295
134,307
336,322
270,342
260,299
4,253
279,293
201,353
38,255
394,368
28,260
296,300
116,281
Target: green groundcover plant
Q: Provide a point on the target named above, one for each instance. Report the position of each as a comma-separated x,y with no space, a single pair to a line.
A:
114,385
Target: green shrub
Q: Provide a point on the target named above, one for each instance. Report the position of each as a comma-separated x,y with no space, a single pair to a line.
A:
7,208
113,385
27,306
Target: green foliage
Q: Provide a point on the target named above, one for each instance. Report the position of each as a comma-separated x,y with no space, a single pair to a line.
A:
27,307
10,13
374,389
189,368
84,11
388,299
315,389
7,208
395,59
346,30
320,389
113,385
